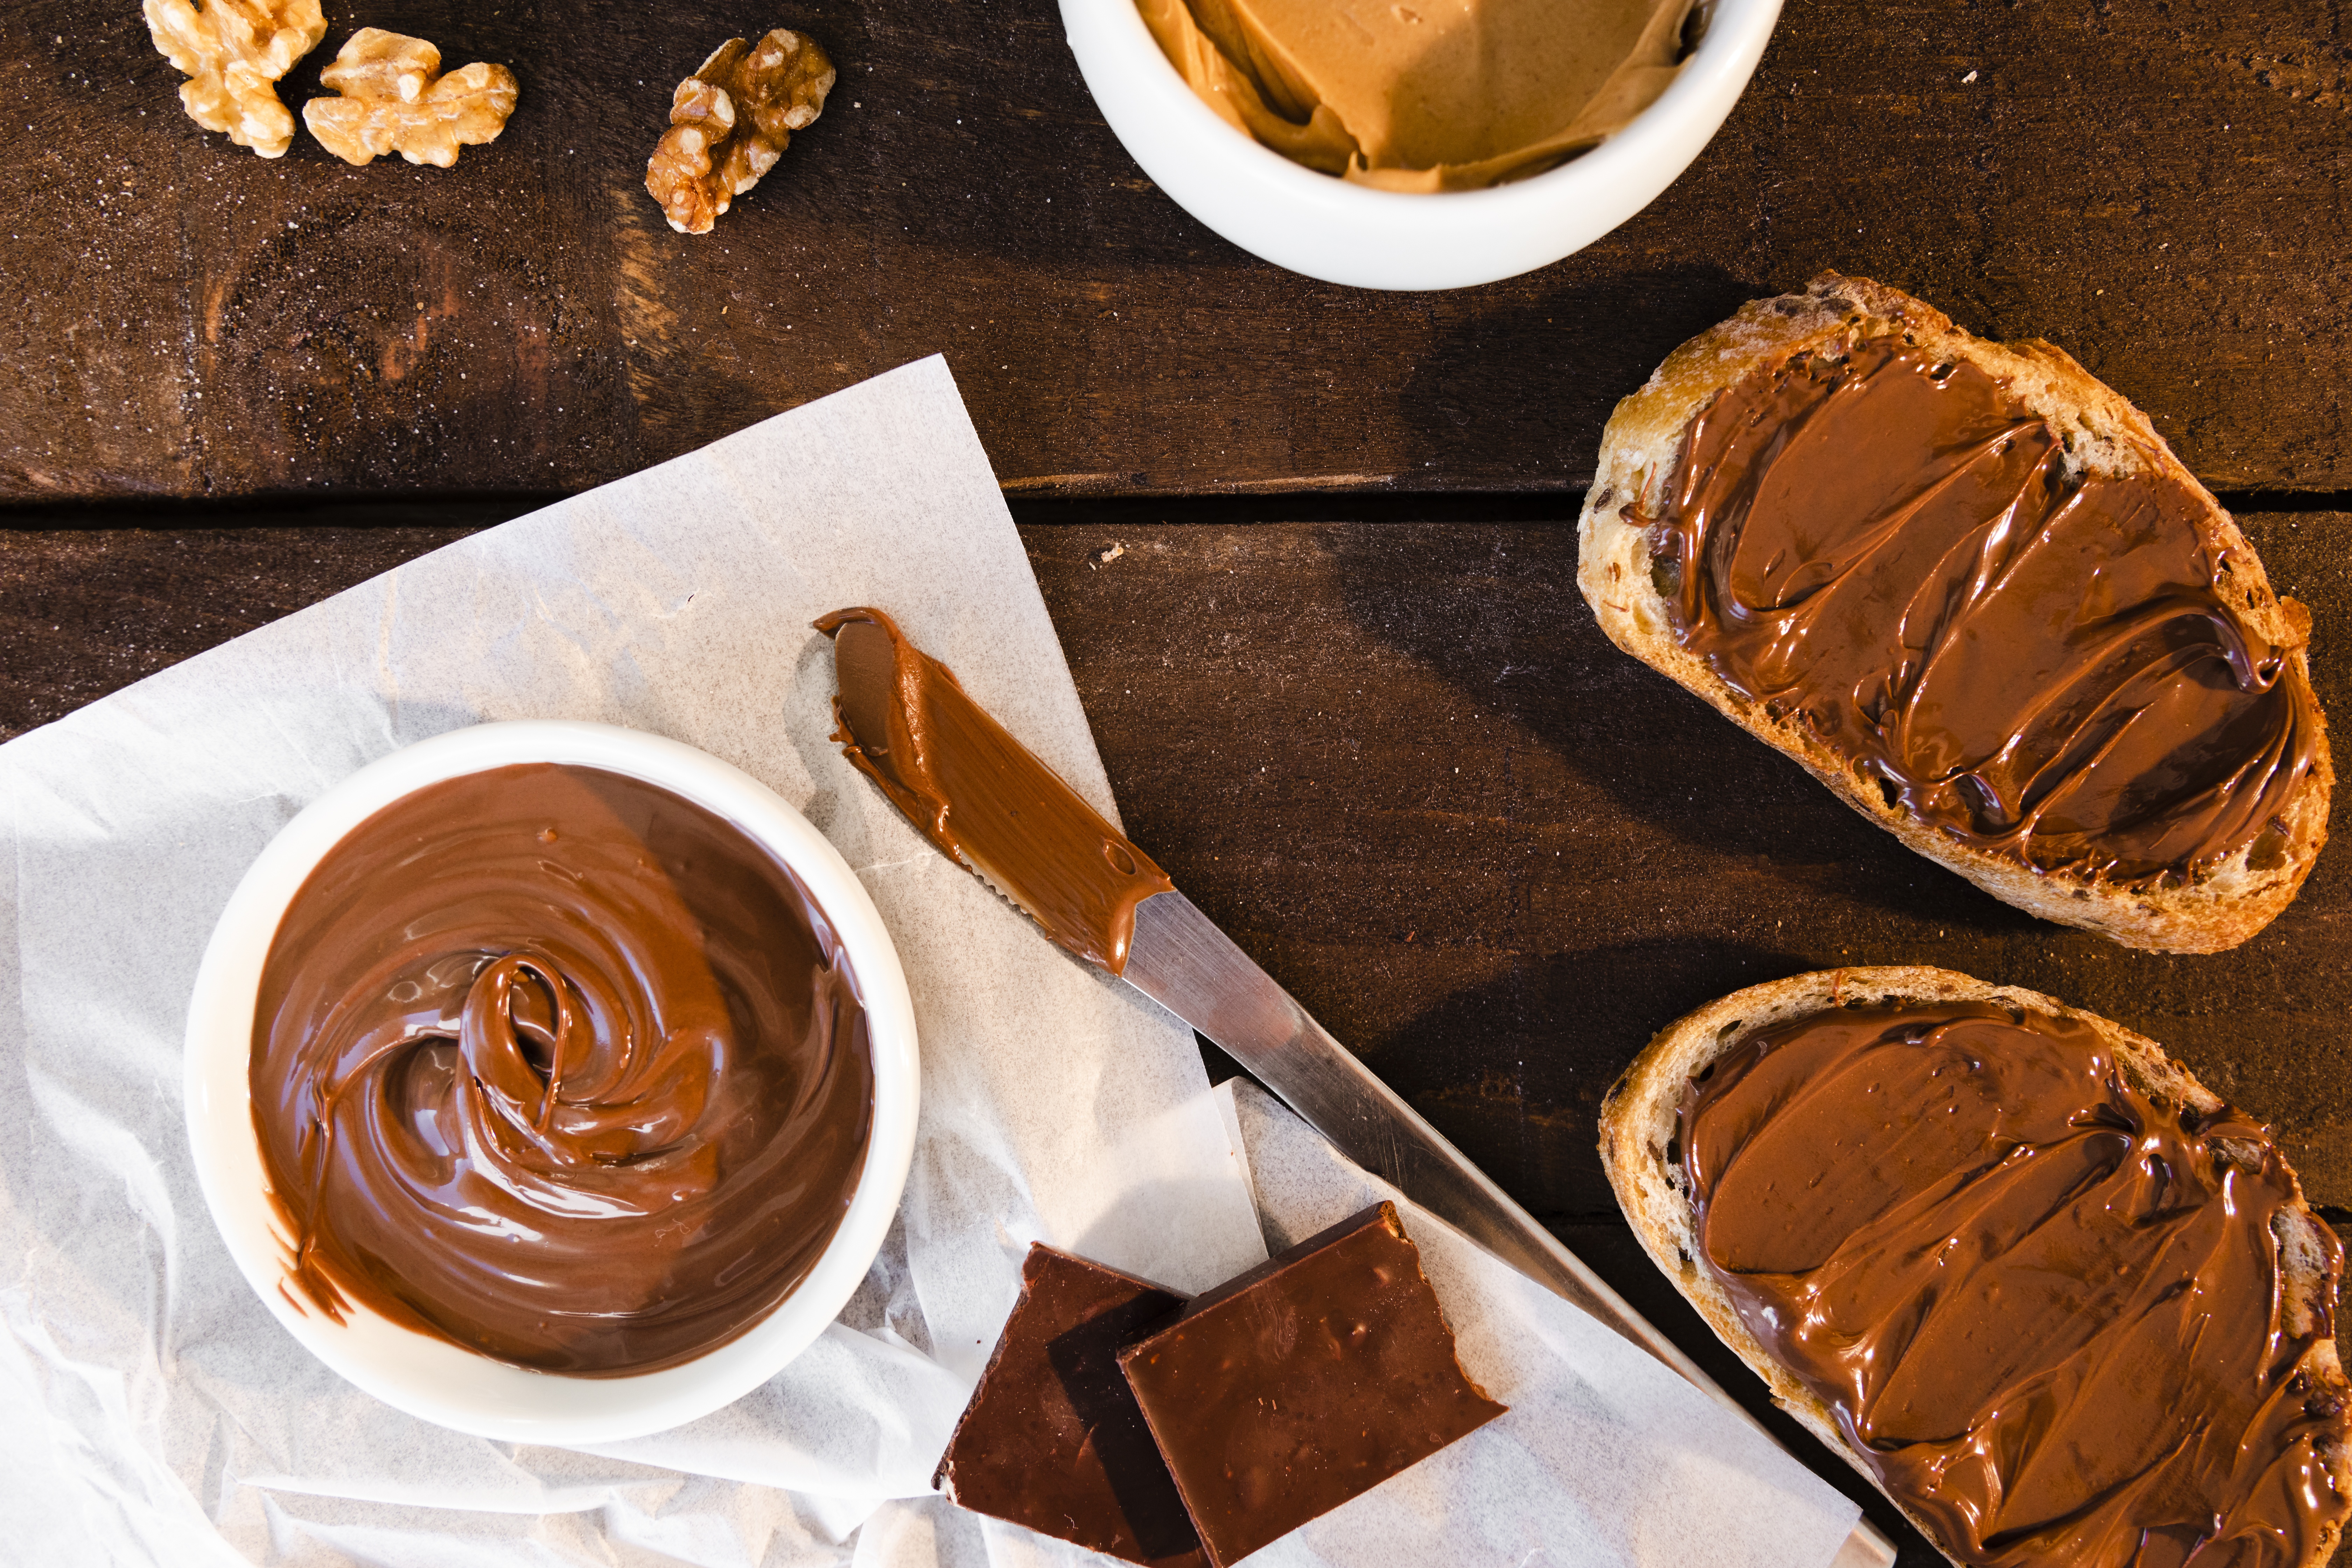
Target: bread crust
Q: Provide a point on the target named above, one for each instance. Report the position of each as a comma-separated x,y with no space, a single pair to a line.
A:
1638,1126
2104,434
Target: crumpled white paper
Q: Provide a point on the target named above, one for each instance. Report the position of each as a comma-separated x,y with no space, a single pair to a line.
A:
1605,1459
153,1412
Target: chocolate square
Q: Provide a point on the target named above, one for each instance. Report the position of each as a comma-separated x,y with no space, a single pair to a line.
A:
1051,1439
1306,1382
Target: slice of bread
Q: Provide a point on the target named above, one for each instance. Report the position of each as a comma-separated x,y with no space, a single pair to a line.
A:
1638,1128
2103,434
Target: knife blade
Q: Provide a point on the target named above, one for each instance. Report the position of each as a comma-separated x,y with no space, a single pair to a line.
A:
1180,960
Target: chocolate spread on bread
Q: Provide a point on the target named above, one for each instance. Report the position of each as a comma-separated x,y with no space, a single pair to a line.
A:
980,795
557,1065
2047,665
2048,1309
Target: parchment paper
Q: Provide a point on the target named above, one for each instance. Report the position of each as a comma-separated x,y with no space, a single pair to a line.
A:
1605,1457
152,1411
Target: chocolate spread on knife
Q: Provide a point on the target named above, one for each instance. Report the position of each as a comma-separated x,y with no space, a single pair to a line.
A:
980,795
559,1066
2055,667
2046,1308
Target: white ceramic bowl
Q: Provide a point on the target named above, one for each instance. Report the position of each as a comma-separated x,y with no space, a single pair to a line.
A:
1327,228
433,1378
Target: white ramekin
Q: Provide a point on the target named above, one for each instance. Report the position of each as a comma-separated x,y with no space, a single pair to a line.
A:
432,1378
1370,239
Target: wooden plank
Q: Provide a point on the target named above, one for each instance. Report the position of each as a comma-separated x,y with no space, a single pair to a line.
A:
2163,191
1399,763
1402,767
1283,709
1494,855
86,611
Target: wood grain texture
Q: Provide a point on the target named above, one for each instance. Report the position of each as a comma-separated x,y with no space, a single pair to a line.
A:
2159,187
86,611
1399,763
1403,768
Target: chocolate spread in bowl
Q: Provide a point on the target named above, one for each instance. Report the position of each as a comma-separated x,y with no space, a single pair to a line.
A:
560,1067
2048,1310
2047,665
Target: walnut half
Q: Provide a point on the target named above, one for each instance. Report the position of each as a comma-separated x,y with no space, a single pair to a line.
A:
395,100
233,52
731,120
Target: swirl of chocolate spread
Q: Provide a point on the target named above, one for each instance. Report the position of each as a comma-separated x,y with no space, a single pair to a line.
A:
2049,1311
559,1066
2046,665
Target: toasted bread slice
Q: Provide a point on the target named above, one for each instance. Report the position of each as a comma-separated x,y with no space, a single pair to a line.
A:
1638,1128
2103,434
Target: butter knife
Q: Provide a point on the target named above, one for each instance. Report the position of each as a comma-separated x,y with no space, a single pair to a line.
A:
987,802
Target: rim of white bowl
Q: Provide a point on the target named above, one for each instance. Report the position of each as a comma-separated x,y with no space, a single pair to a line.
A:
1367,237
441,1382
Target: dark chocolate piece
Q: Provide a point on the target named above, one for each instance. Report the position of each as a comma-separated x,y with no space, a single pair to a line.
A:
1304,1382
1051,1439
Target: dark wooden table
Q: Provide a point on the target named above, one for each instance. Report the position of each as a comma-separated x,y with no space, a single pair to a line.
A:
1339,669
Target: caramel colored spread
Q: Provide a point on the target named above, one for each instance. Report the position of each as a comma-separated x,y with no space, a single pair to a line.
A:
2052,666
2047,1310
1424,95
559,1066
980,795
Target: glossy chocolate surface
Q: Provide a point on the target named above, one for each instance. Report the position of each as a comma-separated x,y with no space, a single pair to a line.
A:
562,1067
980,795
1052,1438
1304,1382
2047,1309
2052,668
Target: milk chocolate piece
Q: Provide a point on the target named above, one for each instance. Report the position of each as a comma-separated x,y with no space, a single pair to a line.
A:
2047,665
1051,1439
2047,1307
979,793
555,1065
1304,1382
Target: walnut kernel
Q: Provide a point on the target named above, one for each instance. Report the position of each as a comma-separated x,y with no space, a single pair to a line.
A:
233,52
731,120
393,101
